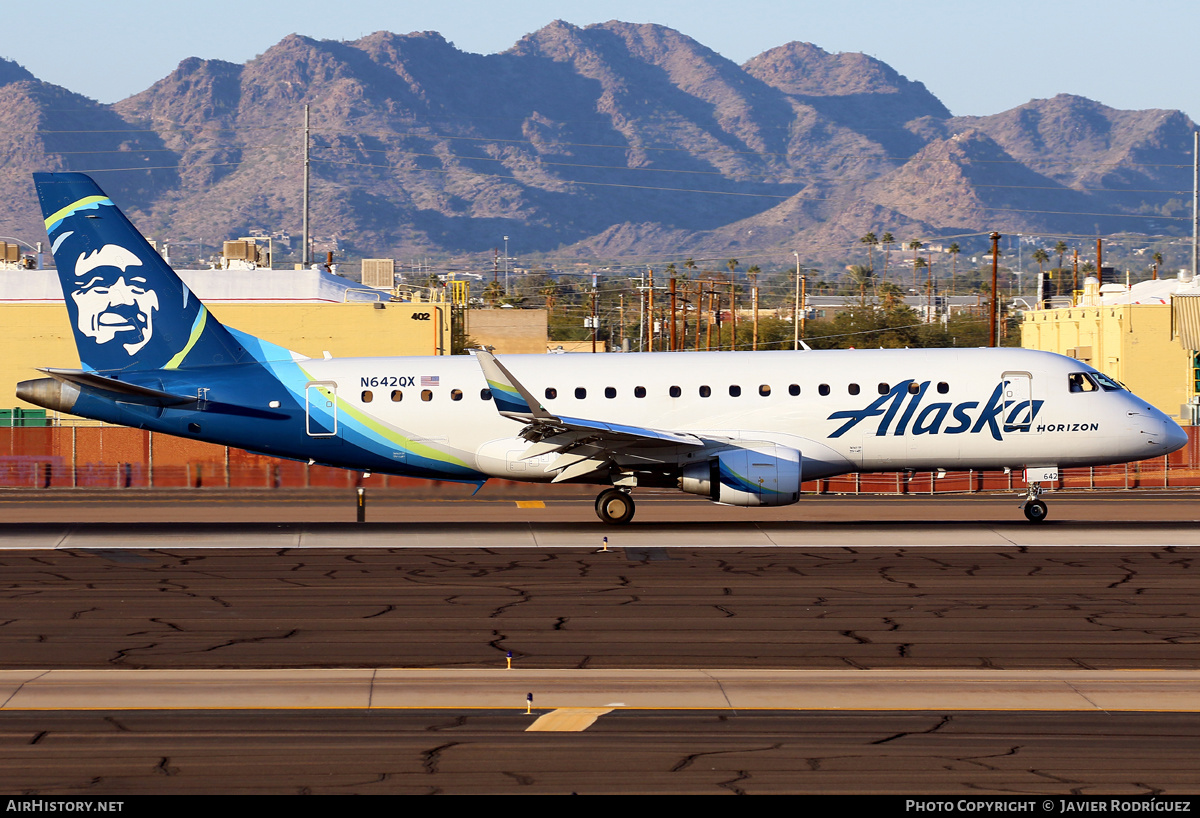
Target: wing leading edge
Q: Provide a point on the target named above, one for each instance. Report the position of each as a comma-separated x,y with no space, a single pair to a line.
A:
584,446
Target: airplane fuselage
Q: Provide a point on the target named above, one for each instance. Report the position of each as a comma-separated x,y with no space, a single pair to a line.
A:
846,410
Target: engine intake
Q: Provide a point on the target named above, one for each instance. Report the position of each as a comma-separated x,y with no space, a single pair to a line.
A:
752,476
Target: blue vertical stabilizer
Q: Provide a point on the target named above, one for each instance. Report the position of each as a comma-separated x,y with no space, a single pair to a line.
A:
129,310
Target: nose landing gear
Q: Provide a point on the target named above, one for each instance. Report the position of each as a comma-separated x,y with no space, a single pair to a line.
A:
615,506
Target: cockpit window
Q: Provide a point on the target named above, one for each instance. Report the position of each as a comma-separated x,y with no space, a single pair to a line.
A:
1107,383
1081,382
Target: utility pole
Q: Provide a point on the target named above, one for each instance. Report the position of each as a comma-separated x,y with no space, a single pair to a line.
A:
732,313
673,307
708,328
995,271
621,335
593,313
1099,262
1195,202
796,313
305,253
641,314
683,318
803,303
754,346
929,294
650,307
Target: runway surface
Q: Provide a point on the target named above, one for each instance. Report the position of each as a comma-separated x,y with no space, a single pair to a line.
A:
1132,755
967,606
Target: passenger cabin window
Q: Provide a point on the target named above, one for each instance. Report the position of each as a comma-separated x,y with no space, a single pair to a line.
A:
484,394
580,393
943,387
368,396
823,389
884,389
455,394
705,391
675,391
735,391
398,396
551,393
794,390
1081,382
426,395
639,391
852,389
914,388
610,392
764,390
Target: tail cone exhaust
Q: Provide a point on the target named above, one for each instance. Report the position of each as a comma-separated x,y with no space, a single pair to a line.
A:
49,393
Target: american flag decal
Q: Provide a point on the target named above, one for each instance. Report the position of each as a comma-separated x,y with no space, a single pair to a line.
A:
429,380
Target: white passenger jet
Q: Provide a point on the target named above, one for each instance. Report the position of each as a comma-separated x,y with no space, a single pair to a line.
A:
740,428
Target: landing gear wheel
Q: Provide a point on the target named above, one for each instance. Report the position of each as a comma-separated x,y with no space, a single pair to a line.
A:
614,507
1035,511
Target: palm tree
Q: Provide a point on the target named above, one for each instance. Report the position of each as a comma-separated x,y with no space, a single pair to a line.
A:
492,293
861,276
870,240
915,245
918,264
548,291
887,240
1061,249
1157,263
954,251
1041,257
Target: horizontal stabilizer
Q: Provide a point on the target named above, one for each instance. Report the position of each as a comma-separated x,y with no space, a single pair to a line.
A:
129,391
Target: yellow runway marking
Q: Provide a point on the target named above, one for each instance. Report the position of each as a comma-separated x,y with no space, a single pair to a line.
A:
530,504
567,720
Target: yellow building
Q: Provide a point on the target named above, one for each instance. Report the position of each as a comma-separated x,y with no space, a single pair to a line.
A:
1124,333
509,331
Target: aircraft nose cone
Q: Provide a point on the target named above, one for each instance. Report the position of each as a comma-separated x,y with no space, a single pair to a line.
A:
1176,437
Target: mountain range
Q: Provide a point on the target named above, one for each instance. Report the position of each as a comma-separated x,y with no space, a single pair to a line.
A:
614,141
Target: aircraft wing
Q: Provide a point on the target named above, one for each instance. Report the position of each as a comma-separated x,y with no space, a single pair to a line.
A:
584,446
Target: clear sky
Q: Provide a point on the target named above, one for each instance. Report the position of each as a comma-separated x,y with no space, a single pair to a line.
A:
978,57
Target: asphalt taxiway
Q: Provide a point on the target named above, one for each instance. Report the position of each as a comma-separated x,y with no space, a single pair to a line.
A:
200,642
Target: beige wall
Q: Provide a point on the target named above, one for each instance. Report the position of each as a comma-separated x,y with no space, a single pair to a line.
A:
1132,343
515,332
33,335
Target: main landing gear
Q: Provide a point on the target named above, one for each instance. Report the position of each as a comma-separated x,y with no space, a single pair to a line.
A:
615,506
1035,509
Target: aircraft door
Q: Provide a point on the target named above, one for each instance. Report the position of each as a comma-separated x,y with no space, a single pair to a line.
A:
320,409
1018,401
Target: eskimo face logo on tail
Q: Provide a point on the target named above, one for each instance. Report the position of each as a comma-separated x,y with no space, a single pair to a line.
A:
903,410
113,301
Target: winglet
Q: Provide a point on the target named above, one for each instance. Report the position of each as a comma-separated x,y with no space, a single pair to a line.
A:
512,399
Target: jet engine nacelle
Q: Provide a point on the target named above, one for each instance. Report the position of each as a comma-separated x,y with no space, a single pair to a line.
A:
754,476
